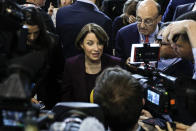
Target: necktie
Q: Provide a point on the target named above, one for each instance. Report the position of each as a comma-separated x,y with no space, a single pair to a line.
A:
146,39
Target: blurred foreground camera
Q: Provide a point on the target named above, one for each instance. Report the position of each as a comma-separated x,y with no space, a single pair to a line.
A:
70,116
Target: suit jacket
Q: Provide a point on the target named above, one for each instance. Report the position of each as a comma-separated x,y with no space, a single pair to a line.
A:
169,12
74,85
71,19
116,25
125,37
181,9
176,69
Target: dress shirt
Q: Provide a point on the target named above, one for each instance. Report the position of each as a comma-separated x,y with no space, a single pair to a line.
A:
194,7
194,56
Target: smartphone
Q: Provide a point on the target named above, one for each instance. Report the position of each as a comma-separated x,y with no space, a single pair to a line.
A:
158,121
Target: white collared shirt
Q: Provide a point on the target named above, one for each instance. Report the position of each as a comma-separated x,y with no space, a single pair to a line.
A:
194,7
194,56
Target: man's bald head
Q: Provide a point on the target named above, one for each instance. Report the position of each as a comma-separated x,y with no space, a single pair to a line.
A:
149,6
148,16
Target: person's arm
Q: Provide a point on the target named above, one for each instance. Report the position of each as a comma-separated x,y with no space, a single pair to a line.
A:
119,45
67,87
192,128
180,27
190,27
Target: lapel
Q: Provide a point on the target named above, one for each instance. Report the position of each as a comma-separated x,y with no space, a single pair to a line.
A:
81,66
103,62
190,7
78,71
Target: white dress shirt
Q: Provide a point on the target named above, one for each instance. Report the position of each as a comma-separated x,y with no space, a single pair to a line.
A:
194,56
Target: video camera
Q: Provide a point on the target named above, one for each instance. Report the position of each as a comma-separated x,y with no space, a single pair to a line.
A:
159,91
159,87
162,92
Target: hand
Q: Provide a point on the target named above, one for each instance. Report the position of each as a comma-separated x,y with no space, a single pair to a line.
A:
132,67
35,101
132,19
128,61
175,28
192,128
179,127
145,115
168,127
50,9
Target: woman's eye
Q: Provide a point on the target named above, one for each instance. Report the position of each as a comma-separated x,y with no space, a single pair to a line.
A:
90,43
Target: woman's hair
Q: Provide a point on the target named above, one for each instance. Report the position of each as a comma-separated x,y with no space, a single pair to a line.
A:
33,17
92,28
130,7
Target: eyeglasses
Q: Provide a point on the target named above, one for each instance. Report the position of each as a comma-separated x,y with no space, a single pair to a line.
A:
148,21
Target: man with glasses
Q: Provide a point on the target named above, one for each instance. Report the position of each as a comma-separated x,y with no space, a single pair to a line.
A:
144,30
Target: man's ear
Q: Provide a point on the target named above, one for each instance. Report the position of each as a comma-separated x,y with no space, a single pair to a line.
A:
159,18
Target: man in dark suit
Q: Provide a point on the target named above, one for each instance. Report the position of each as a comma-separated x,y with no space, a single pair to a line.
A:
148,18
181,9
169,12
71,19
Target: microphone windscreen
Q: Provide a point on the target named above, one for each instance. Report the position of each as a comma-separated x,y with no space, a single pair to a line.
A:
91,124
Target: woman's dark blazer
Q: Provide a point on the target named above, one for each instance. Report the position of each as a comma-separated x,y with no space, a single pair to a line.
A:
74,84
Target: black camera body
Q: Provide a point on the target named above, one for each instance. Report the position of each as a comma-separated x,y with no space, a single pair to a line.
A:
159,100
159,91
144,53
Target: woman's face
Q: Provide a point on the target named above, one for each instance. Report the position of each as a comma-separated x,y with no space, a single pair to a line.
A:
33,33
92,48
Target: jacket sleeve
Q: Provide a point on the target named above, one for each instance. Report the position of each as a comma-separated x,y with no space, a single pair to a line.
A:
119,45
67,87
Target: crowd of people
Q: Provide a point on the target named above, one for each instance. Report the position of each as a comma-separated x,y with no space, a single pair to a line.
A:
87,51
